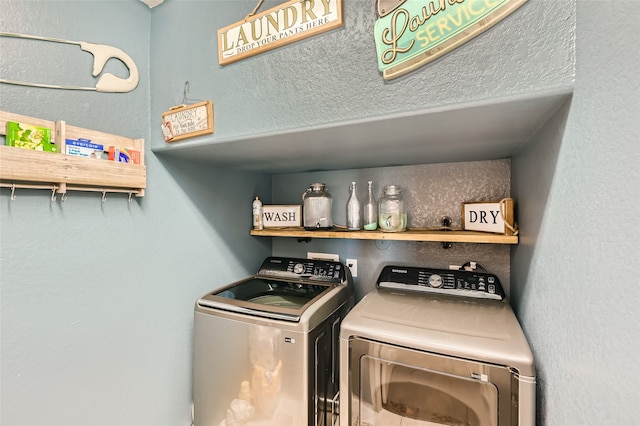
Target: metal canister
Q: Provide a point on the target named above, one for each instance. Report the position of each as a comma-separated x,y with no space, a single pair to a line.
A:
316,207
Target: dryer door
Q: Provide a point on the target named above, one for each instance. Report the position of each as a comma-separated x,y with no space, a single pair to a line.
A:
395,386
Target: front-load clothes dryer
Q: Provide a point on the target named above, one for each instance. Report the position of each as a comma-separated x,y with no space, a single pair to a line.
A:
266,347
435,347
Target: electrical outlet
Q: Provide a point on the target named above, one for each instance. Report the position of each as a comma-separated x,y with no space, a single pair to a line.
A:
353,265
323,256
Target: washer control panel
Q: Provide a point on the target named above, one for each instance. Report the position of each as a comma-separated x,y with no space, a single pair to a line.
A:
307,269
476,284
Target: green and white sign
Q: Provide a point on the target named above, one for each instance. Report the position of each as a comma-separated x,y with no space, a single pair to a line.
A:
418,31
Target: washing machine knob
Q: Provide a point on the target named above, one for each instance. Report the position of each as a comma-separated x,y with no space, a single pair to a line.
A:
435,280
298,268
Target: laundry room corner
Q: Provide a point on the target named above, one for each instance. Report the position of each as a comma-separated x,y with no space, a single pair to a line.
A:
185,184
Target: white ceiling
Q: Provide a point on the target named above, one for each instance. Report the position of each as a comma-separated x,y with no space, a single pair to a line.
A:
152,3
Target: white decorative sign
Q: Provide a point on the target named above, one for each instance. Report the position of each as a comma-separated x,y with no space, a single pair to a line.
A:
494,217
284,24
282,216
187,121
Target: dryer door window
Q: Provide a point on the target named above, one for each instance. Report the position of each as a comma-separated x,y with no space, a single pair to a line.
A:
401,387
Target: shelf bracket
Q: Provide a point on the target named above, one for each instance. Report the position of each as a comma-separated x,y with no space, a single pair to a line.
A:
446,225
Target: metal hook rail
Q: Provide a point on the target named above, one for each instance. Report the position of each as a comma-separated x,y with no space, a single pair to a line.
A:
56,189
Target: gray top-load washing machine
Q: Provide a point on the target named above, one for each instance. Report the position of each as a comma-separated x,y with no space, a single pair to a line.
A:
266,347
435,347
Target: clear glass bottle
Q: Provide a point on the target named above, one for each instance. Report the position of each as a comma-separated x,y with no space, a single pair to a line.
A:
354,217
391,215
316,207
370,210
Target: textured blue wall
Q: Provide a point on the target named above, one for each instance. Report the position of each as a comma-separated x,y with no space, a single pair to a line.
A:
574,273
97,299
333,77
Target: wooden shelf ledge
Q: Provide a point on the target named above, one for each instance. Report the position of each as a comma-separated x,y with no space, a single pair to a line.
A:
25,168
409,235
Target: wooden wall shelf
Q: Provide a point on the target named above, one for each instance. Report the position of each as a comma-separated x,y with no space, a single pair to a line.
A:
26,168
409,235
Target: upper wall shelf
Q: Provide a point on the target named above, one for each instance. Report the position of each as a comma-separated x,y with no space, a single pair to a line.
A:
478,131
409,235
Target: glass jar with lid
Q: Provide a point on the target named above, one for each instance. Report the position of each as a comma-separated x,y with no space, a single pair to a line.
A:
316,207
391,214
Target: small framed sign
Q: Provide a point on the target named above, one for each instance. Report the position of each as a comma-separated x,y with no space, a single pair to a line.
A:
282,216
187,121
490,216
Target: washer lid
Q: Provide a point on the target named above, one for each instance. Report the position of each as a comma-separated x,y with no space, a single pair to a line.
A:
270,298
288,289
478,329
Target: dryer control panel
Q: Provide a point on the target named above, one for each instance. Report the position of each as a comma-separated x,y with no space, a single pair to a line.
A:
307,269
476,284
